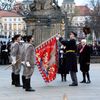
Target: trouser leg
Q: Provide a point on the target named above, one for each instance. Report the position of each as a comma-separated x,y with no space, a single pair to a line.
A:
73,77
88,77
13,78
84,78
17,80
23,81
62,77
23,76
65,77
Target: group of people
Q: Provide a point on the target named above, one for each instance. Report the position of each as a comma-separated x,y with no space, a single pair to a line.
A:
22,55
68,59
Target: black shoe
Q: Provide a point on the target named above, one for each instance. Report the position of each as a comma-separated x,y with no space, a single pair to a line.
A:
83,82
88,82
18,85
30,90
73,84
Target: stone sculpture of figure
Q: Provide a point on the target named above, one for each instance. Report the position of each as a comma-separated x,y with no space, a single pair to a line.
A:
43,4
37,5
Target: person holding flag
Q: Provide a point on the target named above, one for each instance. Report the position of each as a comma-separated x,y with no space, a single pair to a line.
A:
71,56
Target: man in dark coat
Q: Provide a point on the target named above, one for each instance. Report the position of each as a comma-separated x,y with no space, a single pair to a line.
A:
71,56
84,61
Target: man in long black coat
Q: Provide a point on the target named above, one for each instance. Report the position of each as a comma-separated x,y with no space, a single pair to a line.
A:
84,61
71,57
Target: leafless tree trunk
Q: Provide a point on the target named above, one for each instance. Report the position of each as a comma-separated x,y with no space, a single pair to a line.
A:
95,17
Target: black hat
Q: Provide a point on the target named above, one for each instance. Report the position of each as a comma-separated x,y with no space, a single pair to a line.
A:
86,30
74,34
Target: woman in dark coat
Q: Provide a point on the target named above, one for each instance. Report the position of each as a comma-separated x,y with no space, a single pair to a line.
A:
62,66
84,61
71,56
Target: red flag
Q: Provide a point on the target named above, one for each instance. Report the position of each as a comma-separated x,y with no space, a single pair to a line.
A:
46,59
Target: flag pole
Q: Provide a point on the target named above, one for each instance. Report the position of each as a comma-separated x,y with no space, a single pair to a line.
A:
11,65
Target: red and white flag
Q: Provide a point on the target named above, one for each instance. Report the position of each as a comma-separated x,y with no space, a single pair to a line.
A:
46,59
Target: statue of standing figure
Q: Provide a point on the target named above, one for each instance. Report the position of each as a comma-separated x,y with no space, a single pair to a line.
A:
43,5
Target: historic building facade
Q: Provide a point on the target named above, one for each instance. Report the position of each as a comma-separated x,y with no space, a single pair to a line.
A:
11,23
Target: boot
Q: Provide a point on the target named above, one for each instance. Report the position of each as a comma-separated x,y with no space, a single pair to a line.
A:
13,78
84,79
28,87
23,81
17,81
65,77
88,77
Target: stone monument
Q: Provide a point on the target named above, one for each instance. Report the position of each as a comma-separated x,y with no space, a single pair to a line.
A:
44,19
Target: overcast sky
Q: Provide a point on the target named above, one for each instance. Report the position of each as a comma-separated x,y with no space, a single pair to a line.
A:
78,2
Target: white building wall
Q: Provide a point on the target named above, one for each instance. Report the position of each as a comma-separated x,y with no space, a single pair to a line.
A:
12,21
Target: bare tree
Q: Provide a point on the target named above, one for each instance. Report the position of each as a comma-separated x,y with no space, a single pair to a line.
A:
95,17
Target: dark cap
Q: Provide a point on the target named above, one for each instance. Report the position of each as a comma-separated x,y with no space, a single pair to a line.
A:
74,33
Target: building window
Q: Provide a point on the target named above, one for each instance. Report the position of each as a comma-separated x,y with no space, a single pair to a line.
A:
14,19
10,26
10,34
19,19
5,19
19,27
5,26
10,19
5,33
14,27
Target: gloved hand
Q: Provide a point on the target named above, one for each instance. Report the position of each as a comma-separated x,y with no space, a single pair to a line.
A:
28,64
23,62
58,36
13,60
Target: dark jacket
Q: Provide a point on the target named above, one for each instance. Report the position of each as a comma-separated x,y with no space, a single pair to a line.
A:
62,62
84,59
70,54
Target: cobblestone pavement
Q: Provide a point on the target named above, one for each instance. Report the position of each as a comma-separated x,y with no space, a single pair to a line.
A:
53,91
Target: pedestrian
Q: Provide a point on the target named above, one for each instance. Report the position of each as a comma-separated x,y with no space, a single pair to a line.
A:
16,60
71,56
23,53
4,53
62,67
29,62
84,61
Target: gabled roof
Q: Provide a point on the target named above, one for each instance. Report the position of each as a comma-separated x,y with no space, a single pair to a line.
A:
82,10
8,14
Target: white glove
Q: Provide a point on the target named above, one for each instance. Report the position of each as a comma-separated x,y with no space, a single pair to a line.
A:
13,60
58,36
6,50
23,62
28,64
61,51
